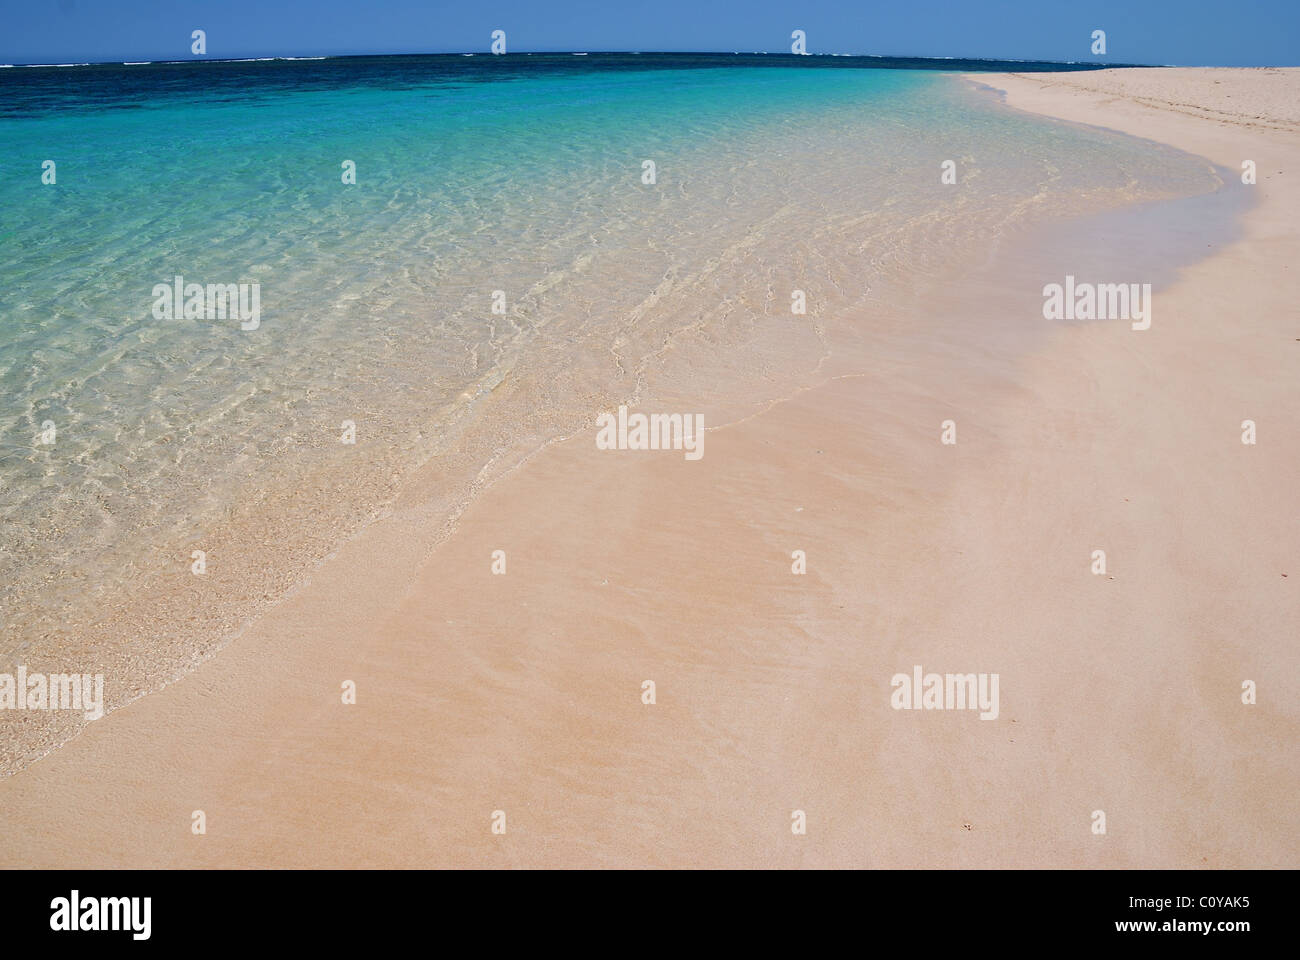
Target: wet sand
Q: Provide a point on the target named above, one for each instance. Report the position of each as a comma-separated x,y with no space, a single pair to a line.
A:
522,692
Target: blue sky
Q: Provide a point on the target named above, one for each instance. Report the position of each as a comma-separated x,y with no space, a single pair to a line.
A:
1191,32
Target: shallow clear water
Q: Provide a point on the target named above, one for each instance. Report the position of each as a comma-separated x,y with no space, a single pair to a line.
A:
478,174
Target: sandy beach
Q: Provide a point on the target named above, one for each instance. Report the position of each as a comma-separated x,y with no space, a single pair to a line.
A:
480,693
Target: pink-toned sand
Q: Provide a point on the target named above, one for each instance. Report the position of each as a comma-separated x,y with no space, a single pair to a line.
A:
522,692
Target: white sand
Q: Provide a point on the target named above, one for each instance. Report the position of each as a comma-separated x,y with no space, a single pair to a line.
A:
522,692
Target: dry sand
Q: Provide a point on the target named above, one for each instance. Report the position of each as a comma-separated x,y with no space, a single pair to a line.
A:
522,692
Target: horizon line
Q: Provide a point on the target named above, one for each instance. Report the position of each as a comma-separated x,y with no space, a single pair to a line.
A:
1087,64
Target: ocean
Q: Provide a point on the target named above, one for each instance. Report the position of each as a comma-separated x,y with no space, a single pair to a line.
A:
529,241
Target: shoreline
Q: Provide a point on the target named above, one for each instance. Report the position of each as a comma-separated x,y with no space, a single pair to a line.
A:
776,709
704,332
246,465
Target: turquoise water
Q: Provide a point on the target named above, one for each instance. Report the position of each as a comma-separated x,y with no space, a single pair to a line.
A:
472,176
